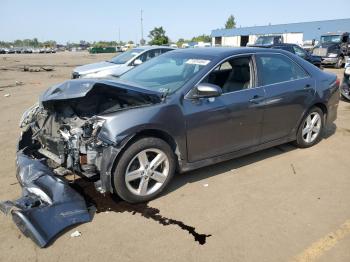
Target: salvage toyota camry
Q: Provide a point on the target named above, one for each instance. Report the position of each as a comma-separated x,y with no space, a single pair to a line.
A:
180,111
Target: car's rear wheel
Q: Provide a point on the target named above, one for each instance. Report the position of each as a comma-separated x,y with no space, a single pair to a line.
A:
144,170
311,128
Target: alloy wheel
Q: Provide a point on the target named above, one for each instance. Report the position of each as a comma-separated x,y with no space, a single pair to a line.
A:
312,127
147,172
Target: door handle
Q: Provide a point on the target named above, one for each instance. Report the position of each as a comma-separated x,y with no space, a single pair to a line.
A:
256,99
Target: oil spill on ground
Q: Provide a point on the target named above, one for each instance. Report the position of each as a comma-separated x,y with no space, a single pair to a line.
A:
111,203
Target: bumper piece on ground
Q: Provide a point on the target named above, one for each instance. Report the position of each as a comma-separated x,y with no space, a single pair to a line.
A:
48,204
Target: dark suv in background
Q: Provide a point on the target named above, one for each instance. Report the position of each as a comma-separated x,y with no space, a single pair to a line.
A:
333,48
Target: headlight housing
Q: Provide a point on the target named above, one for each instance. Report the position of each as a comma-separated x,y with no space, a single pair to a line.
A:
332,55
28,115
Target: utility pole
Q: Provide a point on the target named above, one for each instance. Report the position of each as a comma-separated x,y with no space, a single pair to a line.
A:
142,41
119,34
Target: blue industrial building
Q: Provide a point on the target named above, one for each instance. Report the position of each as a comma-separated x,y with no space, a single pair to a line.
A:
292,33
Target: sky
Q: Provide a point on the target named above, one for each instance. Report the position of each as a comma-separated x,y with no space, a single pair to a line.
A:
75,20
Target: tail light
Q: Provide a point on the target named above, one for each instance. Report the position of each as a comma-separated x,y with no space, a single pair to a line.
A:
337,82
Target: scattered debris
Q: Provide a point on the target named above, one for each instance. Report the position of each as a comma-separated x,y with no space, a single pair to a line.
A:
19,83
37,68
3,68
292,166
35,83
7,95
205,185
47,68
31,69
75,234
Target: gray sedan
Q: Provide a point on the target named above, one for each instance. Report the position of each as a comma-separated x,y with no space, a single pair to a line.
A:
181,111
120,63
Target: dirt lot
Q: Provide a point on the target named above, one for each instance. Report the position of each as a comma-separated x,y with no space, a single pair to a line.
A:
281,204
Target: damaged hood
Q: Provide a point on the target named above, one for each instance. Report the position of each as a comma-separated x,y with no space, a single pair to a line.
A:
81,87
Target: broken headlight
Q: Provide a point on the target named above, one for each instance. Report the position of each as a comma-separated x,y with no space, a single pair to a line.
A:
28,115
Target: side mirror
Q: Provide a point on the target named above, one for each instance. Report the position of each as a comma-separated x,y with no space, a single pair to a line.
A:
137,62
205,90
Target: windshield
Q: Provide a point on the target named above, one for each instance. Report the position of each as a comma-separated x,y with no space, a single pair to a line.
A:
166,73
264,40
330,38
126,56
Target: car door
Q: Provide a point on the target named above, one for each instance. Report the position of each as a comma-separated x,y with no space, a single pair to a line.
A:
230,122
289,90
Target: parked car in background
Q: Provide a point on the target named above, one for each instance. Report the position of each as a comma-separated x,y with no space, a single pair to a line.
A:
11,51
345,86
297,50
127,47
120,63
333,48
268,40
4,50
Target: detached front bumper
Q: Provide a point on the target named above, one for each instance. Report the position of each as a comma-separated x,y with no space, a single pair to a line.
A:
48,204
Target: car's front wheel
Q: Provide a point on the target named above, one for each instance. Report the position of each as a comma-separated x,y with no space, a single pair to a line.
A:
311,128
144,170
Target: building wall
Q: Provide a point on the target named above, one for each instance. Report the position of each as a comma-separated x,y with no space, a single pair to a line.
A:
293,38
309,30
234,41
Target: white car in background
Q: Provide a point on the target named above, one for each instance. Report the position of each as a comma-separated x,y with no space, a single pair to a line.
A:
119,64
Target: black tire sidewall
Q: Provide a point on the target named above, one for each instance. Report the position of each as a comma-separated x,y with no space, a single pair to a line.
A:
137,146
300,141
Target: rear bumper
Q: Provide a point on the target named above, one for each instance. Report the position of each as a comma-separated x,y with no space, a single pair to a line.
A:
345,88
332,105
48,204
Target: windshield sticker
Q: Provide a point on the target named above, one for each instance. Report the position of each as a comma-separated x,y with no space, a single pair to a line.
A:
201,62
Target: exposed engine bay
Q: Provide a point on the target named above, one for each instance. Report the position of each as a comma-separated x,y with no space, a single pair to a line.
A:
65,131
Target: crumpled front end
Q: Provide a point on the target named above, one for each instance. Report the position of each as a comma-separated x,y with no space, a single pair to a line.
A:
48,204
62,134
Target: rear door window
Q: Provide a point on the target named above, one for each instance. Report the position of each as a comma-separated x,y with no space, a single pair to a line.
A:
275,68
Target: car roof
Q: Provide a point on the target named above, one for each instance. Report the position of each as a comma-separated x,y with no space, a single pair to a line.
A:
151,47
225,51
284,44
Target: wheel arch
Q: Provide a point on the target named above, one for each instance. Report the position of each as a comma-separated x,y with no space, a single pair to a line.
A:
320,105
152,132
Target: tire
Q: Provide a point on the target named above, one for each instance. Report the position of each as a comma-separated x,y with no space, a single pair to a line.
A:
306,135
339,63
135,178
344,98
